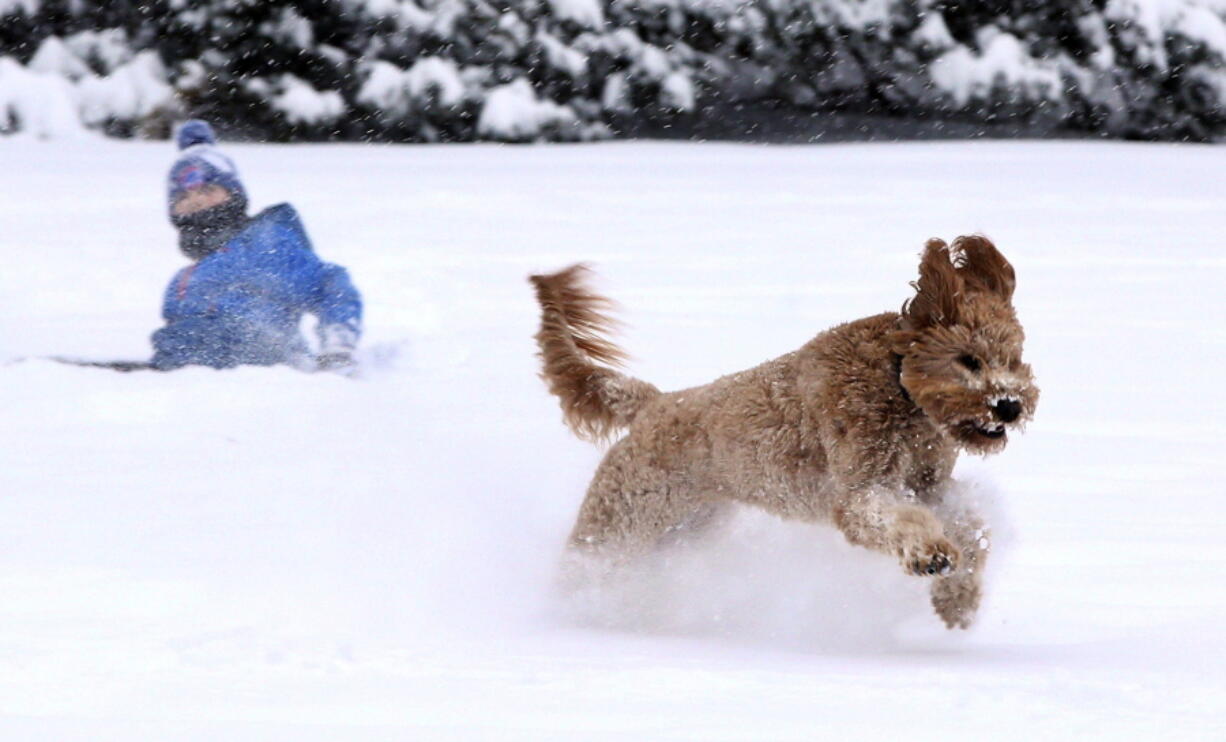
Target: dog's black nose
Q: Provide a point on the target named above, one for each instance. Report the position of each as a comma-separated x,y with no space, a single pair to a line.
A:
1008,410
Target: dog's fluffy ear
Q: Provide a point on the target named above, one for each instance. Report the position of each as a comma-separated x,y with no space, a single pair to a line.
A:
937,291
982,266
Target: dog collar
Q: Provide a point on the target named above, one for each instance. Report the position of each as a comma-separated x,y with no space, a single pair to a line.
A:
898,377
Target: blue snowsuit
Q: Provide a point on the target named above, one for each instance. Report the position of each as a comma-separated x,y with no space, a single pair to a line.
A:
242,304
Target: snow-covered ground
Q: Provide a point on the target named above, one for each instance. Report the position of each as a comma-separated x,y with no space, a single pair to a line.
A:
261,554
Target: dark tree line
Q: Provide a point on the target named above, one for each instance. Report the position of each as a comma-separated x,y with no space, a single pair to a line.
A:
602,68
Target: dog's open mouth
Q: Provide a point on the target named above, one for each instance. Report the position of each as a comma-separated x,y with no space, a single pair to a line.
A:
991,431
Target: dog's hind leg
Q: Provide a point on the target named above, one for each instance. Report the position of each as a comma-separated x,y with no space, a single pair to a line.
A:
702,520
632,508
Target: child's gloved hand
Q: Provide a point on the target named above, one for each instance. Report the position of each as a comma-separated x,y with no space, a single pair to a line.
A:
338,361
336,345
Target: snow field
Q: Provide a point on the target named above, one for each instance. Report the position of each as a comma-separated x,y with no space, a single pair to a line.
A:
262,554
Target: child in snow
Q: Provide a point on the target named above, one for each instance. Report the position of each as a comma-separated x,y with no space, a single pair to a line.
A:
251,277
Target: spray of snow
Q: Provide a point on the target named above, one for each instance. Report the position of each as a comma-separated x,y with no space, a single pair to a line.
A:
762,580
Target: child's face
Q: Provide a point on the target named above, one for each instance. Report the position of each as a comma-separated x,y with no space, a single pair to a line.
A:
198,199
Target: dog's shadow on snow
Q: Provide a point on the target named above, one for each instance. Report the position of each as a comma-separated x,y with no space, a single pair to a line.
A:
763,581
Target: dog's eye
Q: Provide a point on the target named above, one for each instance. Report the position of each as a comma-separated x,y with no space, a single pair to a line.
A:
970,361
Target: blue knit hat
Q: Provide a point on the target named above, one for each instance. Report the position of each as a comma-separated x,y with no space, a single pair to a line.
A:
200,164
195,132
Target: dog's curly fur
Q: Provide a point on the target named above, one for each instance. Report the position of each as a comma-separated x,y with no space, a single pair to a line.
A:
859,428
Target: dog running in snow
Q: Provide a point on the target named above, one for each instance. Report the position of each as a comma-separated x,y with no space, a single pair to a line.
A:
859,428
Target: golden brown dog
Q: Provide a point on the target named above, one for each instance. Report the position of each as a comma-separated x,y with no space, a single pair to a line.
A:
859,428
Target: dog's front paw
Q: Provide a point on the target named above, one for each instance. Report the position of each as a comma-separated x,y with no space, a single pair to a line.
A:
937,556
956,600
922,546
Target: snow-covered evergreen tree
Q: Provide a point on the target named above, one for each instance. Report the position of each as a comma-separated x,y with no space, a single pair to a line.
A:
522,70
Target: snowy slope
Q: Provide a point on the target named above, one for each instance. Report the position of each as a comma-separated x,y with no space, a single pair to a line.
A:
262,555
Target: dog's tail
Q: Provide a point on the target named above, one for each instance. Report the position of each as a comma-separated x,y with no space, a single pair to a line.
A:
596,400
